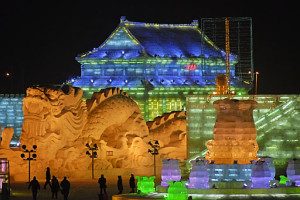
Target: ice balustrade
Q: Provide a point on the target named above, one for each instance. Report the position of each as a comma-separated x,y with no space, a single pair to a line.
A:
280,111
229,173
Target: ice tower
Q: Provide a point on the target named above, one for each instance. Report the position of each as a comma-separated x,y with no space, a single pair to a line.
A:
234,133
234,145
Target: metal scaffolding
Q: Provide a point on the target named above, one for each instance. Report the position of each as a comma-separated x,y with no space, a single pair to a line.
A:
240,29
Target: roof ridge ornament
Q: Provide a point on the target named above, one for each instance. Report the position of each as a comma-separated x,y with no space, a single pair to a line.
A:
195,22
123,19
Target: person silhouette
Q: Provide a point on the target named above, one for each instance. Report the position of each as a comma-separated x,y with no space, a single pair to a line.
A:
120,184
102,182
65,185
55,187
35,186
48,178
132,183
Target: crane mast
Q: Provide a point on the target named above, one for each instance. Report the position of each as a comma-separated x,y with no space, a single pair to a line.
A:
227,48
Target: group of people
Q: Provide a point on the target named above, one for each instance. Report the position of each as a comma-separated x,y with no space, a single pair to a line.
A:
102,183
64,186
54,185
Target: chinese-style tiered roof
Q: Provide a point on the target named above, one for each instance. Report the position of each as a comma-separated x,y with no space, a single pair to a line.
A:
155,40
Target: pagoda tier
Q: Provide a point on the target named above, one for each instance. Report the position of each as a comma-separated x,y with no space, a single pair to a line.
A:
234,133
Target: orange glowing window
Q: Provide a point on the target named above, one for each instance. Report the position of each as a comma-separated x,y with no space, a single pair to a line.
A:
191,66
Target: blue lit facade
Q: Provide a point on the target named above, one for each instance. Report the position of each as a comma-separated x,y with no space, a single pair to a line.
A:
11,114
157,64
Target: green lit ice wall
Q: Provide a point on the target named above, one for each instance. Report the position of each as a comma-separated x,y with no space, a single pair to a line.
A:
160,100
277,121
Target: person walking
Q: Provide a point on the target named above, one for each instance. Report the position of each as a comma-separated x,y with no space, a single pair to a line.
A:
48,178
65,185
132,183
102,183
54,187
120,184
35,186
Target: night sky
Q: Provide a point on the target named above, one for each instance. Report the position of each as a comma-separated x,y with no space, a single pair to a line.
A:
40,39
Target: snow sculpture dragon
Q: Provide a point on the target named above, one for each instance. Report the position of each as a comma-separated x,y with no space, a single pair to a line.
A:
116,124
170,130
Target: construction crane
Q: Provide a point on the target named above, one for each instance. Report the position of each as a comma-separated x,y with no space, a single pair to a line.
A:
227,56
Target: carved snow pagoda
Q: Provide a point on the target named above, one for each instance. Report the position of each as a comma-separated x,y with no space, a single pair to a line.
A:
157,64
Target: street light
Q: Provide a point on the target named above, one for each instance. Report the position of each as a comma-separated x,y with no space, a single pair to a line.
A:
92,155
154,152
256,73
32,153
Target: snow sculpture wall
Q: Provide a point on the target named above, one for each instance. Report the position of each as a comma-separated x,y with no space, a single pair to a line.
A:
234,133
60,123
293,171
199,176
261,175
170,131
53,120
170,171
116,124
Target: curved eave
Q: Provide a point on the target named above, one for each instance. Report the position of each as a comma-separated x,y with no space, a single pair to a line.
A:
120,26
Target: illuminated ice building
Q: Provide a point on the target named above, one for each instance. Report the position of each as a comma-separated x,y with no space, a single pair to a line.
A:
170,67
160,64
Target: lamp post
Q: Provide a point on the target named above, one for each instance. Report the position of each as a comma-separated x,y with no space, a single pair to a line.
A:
154,152
31,156
92,155
255,73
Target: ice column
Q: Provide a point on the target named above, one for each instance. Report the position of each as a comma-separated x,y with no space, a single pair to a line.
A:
170,171
177,191
293,171
145,184
199,176
234,133
269,162
261,175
